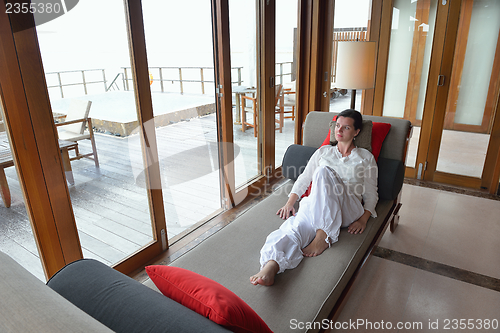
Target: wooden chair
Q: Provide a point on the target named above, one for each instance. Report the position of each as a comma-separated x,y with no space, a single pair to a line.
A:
249,105
289,103
73,128
252,108
279,107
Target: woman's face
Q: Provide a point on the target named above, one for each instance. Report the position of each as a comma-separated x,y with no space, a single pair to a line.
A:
344,130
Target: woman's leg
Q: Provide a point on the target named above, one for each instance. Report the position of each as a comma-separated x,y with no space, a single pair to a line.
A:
282,249
329,205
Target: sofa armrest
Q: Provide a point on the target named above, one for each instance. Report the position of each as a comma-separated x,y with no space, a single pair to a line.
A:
391,174
123,304
295,160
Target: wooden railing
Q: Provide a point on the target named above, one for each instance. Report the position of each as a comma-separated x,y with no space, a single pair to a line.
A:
76,78
163,75
159,75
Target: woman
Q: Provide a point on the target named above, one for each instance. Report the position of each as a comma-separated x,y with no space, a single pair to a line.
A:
343,194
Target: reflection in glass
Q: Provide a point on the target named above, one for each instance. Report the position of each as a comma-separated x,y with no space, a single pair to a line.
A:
351,23
472,96
83,54
242,25
180,60
412,32
286,41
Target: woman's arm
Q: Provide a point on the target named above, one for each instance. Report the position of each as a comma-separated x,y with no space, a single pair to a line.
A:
300,187
370,197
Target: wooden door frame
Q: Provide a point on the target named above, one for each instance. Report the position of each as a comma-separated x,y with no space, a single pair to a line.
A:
35,149
315,45
147,134
380,31
32,135
443,48
224,114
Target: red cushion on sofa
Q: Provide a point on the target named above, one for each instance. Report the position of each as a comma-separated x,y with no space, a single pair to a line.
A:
379,132
207,297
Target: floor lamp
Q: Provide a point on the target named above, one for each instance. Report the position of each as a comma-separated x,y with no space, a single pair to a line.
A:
355,67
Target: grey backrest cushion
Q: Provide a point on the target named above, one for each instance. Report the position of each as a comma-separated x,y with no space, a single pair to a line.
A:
317,125
123,304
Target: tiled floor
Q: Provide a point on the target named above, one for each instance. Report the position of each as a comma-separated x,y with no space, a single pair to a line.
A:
437,227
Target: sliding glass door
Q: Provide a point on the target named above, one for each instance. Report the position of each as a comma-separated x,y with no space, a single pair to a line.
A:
473,90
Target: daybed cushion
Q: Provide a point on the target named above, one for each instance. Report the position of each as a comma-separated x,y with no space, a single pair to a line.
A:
298,295
123,304
207,297
28,305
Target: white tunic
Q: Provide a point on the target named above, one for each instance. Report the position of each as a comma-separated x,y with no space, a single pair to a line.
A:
339,184
358,171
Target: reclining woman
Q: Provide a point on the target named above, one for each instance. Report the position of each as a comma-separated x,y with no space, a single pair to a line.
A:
343,194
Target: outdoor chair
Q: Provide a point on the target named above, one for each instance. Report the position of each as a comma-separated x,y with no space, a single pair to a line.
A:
279,107
249,105
289,103
252,108
74,128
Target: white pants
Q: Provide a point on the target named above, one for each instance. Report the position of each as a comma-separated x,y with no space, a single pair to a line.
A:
328,207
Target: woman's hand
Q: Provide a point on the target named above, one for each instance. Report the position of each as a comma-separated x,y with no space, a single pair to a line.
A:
357,227
288,210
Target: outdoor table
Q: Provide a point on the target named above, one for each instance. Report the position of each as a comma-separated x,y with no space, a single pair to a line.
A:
6,161
238,91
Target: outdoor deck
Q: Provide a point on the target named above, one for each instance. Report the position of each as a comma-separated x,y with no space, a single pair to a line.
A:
110,202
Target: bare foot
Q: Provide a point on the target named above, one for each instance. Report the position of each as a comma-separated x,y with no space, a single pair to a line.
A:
266,275
317,246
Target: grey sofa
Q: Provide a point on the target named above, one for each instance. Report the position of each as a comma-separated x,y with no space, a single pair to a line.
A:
316,289
302,299
28,305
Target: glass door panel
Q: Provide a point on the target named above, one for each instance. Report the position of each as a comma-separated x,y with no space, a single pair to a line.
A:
286,41
180,59
351,23
473,91
84,53
410,49
246,111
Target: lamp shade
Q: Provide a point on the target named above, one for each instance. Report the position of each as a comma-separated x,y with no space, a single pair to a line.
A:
355,65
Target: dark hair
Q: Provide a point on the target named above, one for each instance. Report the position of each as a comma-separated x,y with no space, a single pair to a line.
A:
355,115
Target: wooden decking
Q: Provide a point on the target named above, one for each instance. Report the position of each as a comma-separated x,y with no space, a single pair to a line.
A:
110,203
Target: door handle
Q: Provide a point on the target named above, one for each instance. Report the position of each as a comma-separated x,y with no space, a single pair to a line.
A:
441,79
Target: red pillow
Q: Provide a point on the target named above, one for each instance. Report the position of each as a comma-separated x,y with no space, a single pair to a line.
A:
207,297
